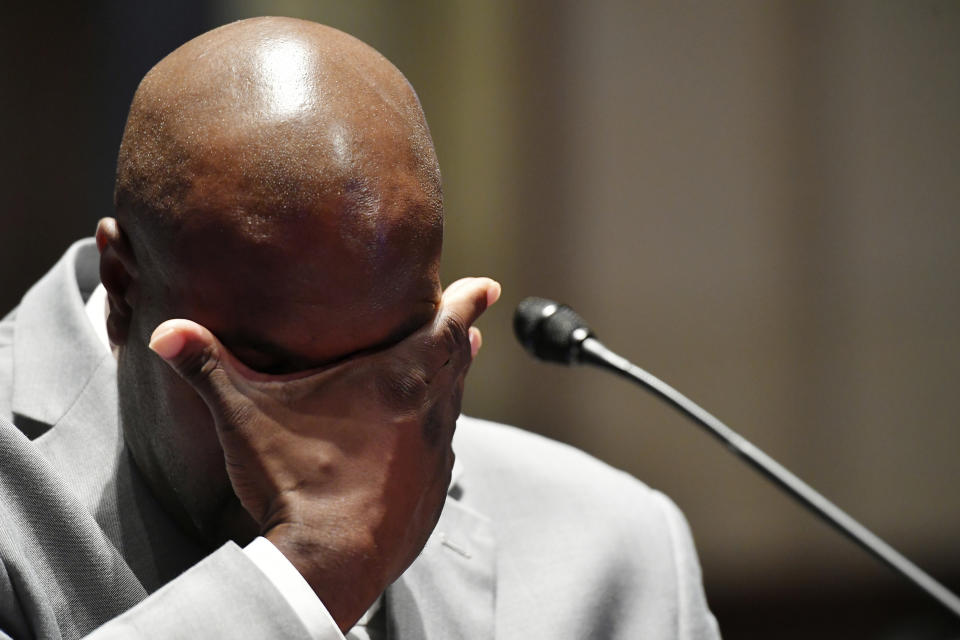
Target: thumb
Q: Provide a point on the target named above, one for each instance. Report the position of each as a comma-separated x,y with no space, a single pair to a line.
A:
195,353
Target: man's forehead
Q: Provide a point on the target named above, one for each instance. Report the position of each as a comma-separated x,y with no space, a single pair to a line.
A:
296,316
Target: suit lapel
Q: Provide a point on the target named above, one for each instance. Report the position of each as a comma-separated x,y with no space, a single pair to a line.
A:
65,399
56,351
449,591
64,384
62,373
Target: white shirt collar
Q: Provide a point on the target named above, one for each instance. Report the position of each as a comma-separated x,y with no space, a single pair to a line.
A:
96,309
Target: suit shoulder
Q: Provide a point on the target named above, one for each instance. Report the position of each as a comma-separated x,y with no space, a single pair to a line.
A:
571,524
486,445
506,460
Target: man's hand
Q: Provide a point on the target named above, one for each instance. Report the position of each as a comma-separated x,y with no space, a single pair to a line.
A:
345,468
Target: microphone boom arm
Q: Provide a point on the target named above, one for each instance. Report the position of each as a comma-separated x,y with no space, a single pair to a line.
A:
592,351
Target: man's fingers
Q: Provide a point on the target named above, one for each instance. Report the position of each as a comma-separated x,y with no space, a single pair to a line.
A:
196,354
476,341
468,298
452,339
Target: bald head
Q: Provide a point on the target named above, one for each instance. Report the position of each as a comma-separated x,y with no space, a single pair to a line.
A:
274,141
295,103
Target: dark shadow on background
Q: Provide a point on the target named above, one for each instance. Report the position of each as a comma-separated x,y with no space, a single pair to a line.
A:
68,73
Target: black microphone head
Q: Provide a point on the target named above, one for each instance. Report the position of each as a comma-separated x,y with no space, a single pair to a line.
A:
550,331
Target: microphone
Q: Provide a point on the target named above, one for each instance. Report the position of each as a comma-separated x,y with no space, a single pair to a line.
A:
556,333
550,331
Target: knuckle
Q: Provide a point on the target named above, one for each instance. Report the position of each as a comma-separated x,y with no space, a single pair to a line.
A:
402,387
455,333
198,365
204,371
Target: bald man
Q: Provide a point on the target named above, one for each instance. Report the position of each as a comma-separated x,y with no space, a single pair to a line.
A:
235,414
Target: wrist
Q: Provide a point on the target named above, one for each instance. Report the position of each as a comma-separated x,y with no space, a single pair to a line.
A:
342,587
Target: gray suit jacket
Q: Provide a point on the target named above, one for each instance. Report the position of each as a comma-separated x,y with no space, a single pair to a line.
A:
536,540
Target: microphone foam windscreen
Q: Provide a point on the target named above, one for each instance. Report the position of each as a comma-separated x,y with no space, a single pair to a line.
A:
546,329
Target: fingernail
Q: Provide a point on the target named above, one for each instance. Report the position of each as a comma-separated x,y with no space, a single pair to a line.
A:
166,342
476,341
493,293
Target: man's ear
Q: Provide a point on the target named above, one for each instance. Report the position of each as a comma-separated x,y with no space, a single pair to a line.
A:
118,273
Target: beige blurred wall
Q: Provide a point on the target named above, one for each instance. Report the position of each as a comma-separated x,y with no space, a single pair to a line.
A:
769,206
757,201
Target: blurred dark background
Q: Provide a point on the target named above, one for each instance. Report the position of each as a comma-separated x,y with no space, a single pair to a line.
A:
758,201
